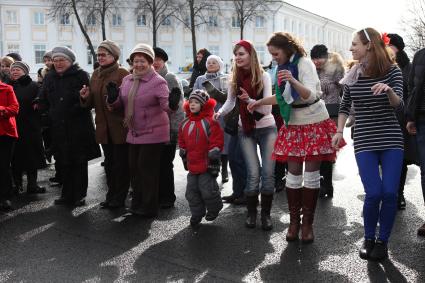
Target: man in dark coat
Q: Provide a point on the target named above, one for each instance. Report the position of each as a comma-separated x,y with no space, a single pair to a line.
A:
72,128
415,113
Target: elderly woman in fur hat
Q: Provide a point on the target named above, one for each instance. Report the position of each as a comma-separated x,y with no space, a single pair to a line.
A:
110,131
330,68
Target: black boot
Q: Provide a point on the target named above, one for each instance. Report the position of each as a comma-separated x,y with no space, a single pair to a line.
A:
251,204
380,251
366,248
32,187
401,201
224,172
266,205
326,186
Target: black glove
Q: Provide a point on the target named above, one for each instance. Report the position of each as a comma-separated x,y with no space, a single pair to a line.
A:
174,98
182,153
187,91
219,96
113,92
214,167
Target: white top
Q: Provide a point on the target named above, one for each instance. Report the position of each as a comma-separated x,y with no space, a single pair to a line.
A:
267,120
315,113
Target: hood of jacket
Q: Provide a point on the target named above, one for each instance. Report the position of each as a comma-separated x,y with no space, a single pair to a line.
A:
207,110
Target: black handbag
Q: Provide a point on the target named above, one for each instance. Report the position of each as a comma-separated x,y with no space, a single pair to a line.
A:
231,120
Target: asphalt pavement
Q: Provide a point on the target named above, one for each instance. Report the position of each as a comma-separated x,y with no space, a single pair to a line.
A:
41,242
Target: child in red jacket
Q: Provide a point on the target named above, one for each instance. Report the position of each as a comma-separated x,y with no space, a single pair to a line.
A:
201,142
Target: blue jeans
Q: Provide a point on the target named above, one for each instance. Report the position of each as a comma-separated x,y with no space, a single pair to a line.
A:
381,193
420,139
237,166
265,138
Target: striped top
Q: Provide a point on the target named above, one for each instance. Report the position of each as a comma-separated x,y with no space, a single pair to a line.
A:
376,126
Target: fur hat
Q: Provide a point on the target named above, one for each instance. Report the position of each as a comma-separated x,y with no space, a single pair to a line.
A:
319,51
63,51
21,65
396,40
219,61
112,48
15,56
142,48
159,52
200,95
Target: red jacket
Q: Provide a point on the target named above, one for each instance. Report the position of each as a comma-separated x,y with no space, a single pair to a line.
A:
9,108
198,135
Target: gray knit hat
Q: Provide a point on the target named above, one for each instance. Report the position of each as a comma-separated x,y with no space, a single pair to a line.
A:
142,48
112,48
48,54
63,51
200,95
21,65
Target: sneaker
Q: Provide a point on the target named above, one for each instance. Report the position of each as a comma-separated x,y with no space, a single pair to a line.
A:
380,251
366,248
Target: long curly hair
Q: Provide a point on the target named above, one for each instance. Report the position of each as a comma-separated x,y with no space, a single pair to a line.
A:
287,42
256,71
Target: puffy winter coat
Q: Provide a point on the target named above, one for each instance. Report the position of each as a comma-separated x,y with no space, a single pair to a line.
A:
198,135
9,108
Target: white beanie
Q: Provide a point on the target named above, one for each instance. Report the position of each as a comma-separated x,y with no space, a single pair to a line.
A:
219,61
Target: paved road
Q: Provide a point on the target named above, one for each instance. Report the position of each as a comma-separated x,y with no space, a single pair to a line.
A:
41,242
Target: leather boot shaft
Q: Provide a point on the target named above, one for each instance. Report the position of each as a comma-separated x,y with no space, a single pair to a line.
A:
294,197
266,206
251,204
309,201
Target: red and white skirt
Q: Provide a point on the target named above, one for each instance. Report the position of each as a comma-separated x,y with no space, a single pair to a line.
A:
312,142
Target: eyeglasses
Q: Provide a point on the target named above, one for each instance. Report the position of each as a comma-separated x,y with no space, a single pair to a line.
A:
56,61
102,54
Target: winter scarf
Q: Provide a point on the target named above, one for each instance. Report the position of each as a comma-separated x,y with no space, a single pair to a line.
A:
247,119
285,94
128,120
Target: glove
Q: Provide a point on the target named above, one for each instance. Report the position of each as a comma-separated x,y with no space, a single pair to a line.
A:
174,98
183,154
187,91
219,96
213,167
113,92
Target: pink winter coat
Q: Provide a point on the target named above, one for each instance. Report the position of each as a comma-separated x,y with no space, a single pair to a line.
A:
151,124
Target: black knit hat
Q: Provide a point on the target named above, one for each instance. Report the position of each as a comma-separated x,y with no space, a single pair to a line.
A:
159,52
200,95
396,40
15,56
319,51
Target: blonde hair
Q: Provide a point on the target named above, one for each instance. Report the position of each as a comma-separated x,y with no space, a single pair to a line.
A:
378,58
256,71
7,60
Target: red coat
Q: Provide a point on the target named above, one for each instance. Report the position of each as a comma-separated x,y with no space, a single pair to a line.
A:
9,108
199,134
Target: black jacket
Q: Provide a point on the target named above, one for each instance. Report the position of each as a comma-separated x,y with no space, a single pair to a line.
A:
72,126
199,69
416,85
29,151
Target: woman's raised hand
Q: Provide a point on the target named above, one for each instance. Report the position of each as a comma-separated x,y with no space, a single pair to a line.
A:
84,92
244,96
253,105
380,88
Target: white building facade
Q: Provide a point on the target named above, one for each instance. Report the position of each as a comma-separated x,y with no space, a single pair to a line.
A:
26,29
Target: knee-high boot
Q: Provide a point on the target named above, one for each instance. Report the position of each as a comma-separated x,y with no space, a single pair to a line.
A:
326,186
224,172
309,201
266,206
294,197
251,204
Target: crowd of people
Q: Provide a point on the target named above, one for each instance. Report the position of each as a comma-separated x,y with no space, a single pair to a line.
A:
276,127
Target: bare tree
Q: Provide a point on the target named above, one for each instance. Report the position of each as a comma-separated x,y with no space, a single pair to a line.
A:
65,8
156,12
195,13
102,9
415,25
248,10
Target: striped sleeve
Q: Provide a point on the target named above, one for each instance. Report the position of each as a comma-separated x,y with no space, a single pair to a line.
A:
396,83
345,106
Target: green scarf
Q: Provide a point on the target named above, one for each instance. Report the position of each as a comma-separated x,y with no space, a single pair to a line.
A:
285,108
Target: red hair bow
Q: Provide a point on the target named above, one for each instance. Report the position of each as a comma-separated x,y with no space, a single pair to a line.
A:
385,38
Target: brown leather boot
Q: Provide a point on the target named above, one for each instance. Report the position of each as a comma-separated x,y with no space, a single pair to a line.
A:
294,206
309,201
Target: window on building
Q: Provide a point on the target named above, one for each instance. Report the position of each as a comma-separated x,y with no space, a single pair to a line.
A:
260,22
236,22
166,20
65,19
39,51
39,18
11,17
13,48
89,55
116,20
141,20
212,21
91,19
261,53
214,49
188,56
